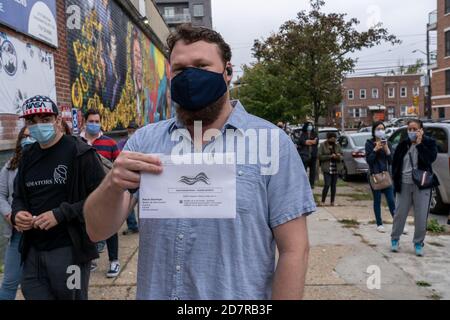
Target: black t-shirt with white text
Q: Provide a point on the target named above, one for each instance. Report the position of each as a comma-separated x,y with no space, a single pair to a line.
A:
46,177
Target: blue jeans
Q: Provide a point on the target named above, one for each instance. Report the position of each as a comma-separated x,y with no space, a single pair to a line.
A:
132,222
389,194
13,269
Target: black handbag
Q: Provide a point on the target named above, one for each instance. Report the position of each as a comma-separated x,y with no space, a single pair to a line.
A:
422,178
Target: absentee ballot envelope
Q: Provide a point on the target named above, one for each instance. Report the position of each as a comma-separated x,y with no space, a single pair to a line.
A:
186,190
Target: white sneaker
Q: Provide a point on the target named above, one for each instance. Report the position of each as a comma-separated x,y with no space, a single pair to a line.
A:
381,229
405,231
114,269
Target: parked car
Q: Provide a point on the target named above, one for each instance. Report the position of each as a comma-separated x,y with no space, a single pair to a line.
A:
324,131
440,203
353,147
390,131
365,130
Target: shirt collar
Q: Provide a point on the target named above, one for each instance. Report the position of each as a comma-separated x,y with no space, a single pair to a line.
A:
236,121
83,135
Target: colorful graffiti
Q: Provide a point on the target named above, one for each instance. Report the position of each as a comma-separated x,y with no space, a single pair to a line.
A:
115,68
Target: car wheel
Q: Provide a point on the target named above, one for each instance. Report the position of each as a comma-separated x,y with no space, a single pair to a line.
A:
437,206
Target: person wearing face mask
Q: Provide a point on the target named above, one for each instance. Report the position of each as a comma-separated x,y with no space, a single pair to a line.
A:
330,157
379,158
13,269
107,148
308,145
54,177
206,259
413,182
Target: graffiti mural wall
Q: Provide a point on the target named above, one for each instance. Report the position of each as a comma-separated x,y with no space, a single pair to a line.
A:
25,71
114,67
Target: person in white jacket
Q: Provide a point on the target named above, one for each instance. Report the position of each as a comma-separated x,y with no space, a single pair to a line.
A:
13,270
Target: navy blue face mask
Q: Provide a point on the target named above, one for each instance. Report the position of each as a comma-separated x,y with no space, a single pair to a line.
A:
195,89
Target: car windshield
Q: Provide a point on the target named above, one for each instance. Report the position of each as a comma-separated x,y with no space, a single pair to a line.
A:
323,134
360,141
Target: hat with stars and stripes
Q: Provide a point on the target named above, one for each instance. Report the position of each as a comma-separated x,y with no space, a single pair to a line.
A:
39,105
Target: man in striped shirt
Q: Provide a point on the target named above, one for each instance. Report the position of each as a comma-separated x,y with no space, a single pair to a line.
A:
107,148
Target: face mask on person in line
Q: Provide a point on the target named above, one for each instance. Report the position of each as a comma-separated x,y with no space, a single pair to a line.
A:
310,128
44,133
380,134
412,136
93,128
27,141
195,89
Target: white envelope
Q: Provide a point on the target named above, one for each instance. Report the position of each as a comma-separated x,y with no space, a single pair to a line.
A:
190,191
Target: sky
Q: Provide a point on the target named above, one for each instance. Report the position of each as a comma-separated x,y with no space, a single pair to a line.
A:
242,21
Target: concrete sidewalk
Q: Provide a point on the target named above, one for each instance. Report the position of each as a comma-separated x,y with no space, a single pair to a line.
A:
341,253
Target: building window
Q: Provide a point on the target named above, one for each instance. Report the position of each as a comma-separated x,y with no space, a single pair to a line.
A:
441,113
447,6
351,94
199,10
416,91
403,111
363,112
363,94
403,92
357,112
169,11
447,82
447,44
391,92
391,113
375,94
354,112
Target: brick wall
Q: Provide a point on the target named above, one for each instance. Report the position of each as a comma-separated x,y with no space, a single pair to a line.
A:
382,83
10,124
440,98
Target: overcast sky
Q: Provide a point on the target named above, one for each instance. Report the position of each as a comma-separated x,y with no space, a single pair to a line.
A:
243,21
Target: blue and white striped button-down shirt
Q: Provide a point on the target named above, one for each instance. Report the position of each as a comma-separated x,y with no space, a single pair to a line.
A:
221,259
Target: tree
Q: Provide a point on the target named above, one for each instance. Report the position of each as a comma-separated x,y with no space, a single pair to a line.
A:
307,61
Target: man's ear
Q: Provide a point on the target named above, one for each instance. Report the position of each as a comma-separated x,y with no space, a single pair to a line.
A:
229,72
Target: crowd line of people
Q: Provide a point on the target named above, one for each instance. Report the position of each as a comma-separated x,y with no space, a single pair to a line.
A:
396,175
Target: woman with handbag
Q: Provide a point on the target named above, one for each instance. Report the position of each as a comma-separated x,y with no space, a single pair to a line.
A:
413,182
379,158
330,157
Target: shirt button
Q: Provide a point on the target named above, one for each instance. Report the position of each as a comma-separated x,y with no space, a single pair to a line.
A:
176,298
240,173
178,268
181,236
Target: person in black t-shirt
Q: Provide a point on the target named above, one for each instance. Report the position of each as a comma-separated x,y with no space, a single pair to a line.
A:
54,178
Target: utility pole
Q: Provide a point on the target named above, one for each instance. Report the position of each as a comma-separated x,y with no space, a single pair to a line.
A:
429,94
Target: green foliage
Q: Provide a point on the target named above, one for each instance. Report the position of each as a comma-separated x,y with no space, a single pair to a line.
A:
300,70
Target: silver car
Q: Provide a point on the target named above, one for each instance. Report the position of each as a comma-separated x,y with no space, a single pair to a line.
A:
440,203
354,150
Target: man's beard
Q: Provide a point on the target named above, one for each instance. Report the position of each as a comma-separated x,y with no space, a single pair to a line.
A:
208,115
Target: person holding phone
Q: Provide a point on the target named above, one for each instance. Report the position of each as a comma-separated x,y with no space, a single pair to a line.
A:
417,152
379,158
330,157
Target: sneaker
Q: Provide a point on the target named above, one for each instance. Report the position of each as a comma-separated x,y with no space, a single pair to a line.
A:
114,269
405,231
101,246
395,245
94,265
381,229
130,232
419,250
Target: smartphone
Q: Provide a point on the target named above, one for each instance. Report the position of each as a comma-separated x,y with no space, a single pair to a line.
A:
384,142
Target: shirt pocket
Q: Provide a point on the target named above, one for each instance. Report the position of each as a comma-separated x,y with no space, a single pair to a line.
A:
248,180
